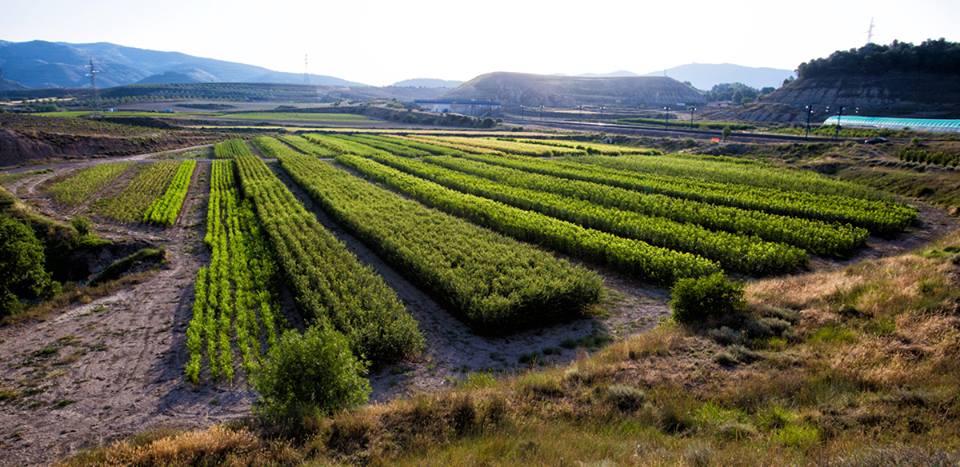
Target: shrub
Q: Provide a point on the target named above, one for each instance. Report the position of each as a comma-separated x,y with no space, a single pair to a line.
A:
22,262
797,436
310,374
711,298
82,224
625,398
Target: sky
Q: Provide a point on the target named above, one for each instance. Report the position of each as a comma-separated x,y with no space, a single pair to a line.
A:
380,42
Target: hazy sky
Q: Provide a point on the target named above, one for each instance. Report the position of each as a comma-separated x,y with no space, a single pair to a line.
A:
379,42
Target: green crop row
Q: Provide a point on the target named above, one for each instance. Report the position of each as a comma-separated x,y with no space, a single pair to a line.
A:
741,172
268,146
877,216
460,147
85,183
341,145
165,209
590,147
382,144
331,286
495,283
233,296
231,148
929,156
305,146
509,146
433,149
652,263
150,182
737,252
812,235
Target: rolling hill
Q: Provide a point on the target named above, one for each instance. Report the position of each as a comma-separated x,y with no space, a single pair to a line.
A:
42,64
427,83
568,91
706,75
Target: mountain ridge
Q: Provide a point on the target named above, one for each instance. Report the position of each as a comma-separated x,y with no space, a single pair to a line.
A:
44,64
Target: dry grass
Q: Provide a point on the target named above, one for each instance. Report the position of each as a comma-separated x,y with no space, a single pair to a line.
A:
216,446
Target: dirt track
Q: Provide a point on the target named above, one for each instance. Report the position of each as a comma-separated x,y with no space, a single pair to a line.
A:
112,367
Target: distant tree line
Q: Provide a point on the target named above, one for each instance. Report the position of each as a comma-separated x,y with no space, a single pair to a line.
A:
932,56
738,93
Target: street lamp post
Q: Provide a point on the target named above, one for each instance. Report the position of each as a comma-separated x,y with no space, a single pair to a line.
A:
692,111
666,113
836,134
809,109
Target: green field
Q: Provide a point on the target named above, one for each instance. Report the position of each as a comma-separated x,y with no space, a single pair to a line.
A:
295,116
265,116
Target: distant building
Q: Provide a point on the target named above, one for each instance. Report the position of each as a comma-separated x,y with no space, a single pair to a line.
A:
471,107
932,125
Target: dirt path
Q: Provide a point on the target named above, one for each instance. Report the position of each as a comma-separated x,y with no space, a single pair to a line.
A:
452,349
933,223
112,367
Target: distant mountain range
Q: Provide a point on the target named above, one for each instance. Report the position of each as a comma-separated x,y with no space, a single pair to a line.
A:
41,64
705,75
427,83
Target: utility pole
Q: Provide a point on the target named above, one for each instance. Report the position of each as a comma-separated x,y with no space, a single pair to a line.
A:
809,109
870,33
306,70
836,134
92,72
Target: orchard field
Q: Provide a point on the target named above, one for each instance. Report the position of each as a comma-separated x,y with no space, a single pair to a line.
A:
432,258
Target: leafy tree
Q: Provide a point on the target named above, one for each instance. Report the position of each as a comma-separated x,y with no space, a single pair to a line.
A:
22,262
932,56
310,374
712,298
736,92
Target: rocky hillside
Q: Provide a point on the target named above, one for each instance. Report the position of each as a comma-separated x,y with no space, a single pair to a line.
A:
569,91
891,94
899,79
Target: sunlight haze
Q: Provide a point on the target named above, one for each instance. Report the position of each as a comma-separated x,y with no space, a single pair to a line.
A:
382,42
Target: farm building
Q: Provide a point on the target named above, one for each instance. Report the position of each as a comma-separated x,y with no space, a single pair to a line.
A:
892,123
472,107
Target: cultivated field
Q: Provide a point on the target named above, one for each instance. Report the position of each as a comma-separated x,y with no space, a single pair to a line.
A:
436,260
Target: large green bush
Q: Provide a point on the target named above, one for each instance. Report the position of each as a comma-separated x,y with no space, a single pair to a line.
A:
708,299
310,374
22,264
